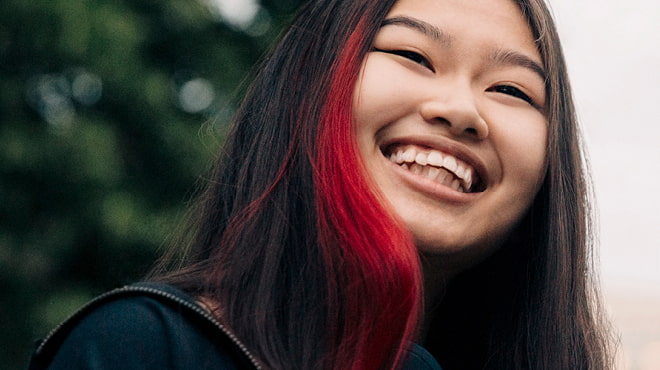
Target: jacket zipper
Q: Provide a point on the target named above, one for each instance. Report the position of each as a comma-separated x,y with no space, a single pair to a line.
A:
171,297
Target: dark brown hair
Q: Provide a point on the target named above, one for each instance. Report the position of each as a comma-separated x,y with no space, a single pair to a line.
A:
535,304
311,271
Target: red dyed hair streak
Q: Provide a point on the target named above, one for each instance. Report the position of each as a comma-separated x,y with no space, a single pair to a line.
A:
377,287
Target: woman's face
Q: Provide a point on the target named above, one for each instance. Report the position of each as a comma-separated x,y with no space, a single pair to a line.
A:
449,109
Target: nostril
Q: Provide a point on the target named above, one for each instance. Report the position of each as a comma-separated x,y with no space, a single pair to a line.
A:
442,120
471,131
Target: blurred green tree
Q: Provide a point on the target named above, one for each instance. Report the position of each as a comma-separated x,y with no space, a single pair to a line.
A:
109,113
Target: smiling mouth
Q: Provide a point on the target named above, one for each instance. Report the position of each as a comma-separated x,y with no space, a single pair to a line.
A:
437,166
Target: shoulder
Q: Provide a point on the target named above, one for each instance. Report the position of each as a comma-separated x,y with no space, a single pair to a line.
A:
138,330
160,328
418,358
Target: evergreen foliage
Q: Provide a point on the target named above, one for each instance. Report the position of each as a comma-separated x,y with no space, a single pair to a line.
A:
110,112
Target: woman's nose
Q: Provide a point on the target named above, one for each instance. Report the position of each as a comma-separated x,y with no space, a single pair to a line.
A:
457,109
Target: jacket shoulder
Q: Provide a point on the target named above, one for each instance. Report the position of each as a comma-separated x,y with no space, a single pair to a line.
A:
137,327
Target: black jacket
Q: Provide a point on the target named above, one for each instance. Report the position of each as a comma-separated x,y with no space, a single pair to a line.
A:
153,326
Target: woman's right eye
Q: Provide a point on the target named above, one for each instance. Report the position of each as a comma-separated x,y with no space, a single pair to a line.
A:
411,55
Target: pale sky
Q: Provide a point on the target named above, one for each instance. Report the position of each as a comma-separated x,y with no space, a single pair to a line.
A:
613,52
612,49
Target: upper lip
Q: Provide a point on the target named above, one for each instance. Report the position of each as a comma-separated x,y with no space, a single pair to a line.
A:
447,146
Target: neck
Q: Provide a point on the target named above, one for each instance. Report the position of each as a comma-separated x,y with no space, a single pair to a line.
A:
436,277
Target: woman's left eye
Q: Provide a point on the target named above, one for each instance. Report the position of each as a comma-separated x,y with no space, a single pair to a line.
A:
513,91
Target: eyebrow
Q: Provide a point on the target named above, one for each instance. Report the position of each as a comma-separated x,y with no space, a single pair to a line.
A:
514,58
499,56
425,28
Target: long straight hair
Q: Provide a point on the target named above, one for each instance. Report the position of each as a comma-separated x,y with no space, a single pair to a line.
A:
311,271
308,267
535,304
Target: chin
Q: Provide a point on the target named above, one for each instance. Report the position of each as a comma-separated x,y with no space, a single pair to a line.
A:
455,256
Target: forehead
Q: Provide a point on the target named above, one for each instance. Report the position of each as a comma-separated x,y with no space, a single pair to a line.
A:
497,23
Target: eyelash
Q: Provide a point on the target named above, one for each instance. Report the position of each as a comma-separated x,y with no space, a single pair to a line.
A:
513,91
411,55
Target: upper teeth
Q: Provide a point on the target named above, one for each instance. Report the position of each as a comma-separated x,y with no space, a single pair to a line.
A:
410,155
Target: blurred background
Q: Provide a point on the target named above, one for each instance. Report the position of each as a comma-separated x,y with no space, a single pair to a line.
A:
613,53
109,113
111,110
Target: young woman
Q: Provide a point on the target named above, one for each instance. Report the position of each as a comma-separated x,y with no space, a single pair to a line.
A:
399,172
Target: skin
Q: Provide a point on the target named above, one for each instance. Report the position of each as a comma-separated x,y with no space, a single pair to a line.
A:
451,92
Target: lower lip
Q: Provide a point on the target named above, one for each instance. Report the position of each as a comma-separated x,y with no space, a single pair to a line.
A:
432,189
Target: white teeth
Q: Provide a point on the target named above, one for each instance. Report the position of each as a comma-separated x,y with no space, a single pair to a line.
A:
421,159
450,163
409,155
460,171
468,178
435,165
435,158
455,184
444,177
399,157
425,171
433,172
